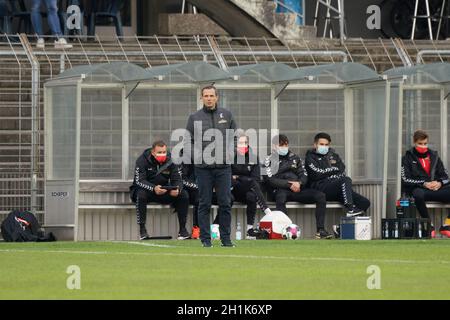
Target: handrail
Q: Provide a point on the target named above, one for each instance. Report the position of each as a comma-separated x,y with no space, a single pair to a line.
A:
35,86
196,53
430,52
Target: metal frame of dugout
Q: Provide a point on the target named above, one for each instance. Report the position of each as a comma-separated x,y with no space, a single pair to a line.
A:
419,100
99,118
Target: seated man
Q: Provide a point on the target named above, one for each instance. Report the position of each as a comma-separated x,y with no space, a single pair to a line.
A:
326,172
245,183
288,182
155,170
425,178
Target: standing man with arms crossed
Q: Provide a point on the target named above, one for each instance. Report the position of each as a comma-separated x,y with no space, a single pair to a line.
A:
212,170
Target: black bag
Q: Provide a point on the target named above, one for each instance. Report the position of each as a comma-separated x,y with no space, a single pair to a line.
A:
22,226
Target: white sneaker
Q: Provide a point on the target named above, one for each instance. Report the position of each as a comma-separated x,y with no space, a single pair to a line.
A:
61,43
40,44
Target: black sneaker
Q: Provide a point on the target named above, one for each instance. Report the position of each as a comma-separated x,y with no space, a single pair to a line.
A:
337,231
143,233
354,211
228,244
323,234
183,235
252,234
207,244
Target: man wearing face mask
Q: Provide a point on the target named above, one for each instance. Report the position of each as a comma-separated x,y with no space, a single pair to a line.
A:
425,178
158,179
286,177
326,173
246,183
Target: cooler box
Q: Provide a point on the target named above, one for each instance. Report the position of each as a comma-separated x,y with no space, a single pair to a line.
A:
274,223
356,228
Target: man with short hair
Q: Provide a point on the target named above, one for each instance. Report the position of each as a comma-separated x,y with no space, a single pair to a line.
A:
425,178
288,181
158,179
326,173
213,169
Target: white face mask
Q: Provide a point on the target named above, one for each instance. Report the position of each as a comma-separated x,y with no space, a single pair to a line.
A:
282,151
323,149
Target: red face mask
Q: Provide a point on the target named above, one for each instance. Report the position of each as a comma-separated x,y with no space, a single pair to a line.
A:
161,158
421,149
242,150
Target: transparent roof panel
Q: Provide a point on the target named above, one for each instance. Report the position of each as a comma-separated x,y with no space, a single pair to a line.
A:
108,72
267,72
202,72
423,73
278,72
346,72
196,71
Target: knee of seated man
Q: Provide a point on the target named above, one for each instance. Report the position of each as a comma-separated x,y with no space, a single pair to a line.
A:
418,193
142,194
281,196
347,179
366,204
250,197
320,197
183,196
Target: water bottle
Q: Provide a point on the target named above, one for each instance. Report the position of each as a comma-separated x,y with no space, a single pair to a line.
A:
396,230
420,230
399,209
238,231
215,234
386,230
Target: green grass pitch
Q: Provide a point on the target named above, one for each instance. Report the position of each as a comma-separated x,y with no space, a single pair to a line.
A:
262,269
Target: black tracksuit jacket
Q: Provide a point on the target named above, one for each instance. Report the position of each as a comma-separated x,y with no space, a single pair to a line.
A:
218,118
290,168
146,177
414,176
323,168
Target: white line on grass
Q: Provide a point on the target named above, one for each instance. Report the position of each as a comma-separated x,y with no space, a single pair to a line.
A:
147,244
230,256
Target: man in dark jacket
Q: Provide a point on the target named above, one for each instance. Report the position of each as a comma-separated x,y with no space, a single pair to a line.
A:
326,173
154,171
287,180
246,183
209,144
425,178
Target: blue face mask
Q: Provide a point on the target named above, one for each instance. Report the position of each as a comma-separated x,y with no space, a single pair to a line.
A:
323,149
282,151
